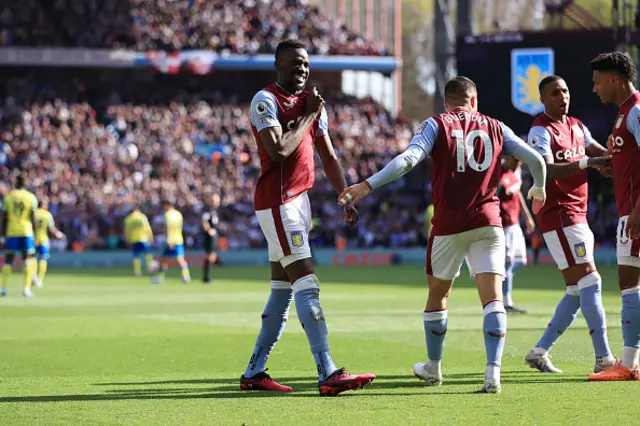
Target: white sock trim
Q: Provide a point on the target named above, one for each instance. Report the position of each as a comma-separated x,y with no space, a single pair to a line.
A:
573,290
631,290
305,283
280,285
589,280
495,306
435,316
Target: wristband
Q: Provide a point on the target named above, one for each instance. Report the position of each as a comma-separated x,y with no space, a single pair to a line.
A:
583,163
366,182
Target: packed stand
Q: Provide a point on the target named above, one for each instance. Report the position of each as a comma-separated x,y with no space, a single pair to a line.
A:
94,158
225,26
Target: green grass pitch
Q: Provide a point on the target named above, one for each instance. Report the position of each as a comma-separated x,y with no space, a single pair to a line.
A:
100,347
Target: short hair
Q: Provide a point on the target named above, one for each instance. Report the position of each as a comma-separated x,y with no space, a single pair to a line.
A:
616,62
460,87
20,183
547,81
289,43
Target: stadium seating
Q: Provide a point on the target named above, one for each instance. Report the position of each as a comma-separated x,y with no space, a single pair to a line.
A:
93,154
226,26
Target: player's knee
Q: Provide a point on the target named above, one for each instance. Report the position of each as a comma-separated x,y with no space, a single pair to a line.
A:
628,276
573,274
298,268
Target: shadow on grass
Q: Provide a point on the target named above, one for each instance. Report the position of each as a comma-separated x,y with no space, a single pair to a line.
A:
227,388
413,276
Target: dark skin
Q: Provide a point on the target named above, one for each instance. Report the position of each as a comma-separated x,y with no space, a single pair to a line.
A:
613,87
292,66
556,98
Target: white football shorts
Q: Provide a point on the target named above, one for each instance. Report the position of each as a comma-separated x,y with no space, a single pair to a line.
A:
286,229
484,249
627,251
516,245
571,245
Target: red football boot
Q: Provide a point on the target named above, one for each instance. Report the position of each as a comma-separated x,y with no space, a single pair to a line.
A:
262,381
341,380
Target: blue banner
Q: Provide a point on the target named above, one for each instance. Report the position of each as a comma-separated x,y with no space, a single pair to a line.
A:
192,61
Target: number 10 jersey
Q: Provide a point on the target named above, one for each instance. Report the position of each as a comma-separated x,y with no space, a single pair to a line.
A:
466,149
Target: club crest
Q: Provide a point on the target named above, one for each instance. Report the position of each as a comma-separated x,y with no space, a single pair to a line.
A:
528,67
297,239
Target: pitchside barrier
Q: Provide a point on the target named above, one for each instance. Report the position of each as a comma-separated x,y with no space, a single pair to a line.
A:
361,257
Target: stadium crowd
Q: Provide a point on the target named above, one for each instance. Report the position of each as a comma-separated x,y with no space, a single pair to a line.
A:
96,147
226,26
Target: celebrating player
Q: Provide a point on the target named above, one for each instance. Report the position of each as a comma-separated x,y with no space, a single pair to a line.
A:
18,224
139,236
174,246
613,77
209,226
46,225
564,141
465,147
512,205
287,123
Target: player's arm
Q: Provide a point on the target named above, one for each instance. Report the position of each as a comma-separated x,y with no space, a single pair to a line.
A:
518,148
5,219
264,117
526,213
127,230
330,164
592,147
419,148
54,230
148,229
32,215
633,221
207,226
540,140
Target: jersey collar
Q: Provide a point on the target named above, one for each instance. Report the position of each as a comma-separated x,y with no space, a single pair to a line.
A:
286,91
553,119
629,98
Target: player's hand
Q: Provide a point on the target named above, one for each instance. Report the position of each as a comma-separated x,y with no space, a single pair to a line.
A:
351,215
212,232
314,102
354,193
539,196
632,229
62,236
600,162
530,225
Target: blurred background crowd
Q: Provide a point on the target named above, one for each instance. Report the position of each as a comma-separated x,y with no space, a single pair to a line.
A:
97,142
225,26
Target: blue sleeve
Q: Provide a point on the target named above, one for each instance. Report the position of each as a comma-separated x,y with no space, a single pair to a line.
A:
323,126
588,139
540,140
264,110
511,141
426,135
633,123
